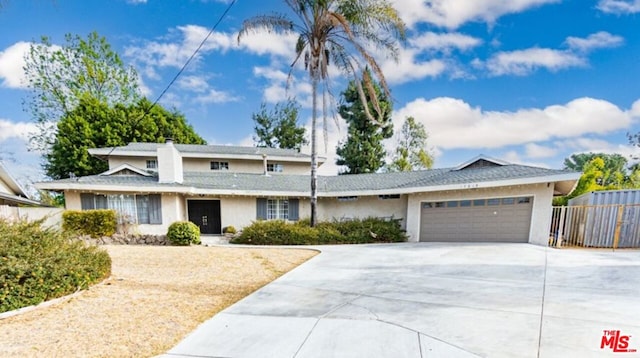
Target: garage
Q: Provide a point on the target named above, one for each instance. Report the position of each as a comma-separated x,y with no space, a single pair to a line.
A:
478,220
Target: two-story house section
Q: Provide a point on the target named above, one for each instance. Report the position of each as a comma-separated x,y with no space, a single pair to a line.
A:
153,185
208,158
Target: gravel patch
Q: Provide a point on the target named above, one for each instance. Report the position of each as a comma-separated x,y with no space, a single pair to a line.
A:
154,298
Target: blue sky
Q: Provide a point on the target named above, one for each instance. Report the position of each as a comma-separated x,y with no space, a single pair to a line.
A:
527,81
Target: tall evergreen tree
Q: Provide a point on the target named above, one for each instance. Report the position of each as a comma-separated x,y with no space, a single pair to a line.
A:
362,152
278,128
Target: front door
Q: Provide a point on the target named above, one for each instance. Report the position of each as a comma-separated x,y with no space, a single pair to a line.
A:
205,214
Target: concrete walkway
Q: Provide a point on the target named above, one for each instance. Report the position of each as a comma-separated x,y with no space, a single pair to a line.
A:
434,300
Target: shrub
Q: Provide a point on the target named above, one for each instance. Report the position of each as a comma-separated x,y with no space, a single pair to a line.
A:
370,230
183,233
229,230
96,223
37,264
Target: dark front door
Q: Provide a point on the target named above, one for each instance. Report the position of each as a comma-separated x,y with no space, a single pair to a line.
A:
205,214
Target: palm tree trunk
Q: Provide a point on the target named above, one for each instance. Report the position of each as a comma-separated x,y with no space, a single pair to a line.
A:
314,150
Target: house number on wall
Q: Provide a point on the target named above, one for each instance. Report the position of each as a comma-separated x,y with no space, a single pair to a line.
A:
204,221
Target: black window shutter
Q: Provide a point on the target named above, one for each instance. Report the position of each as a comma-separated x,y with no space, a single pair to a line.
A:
293,209
261,209
155,209
86,201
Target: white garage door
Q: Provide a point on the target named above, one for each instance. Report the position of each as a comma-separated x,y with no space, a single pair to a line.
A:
488,220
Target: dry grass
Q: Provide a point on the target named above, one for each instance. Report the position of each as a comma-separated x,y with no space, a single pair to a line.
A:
154,298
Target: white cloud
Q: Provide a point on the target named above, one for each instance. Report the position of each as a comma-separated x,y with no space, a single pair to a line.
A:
453,123
524,62
135,2
619,6
453,13
215,96
20,130
597,40
409,68
444,41
536,151
280,87
193,83
265,43
178,46
12,63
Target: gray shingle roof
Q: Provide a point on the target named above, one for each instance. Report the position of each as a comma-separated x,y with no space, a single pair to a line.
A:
212,149
388,182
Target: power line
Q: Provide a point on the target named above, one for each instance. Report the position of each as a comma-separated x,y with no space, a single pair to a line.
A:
224,14
164,91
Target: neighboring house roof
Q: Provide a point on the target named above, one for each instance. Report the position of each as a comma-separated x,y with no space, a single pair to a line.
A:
204,151
227,183
17,194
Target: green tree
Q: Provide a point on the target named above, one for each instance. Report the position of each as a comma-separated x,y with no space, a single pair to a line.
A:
613,172
363,152
59,77
95,124
278,128
601,172
342,31
411,149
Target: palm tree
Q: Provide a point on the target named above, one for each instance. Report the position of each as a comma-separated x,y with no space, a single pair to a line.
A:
344,32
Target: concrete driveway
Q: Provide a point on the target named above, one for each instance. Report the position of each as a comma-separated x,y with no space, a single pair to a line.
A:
435,300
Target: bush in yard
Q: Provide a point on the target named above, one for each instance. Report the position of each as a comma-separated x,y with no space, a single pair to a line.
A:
38,264
359,231
231,230
96,223
183,233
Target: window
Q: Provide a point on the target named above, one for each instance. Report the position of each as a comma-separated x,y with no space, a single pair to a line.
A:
347,198
219,165
389,196
524,200
508,201
274,167
479,202
493,202
452,204
134,209
152,164
465,203
277,209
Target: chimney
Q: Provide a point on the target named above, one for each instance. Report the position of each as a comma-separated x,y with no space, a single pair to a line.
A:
169,163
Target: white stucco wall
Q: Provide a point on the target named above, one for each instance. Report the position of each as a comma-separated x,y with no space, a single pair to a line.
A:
237,211
540,216
330,209
4,188
138,162
243,166
72,200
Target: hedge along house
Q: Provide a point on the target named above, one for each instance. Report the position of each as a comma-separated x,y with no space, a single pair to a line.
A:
154,185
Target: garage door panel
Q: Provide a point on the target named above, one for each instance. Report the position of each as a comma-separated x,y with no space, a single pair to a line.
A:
507,221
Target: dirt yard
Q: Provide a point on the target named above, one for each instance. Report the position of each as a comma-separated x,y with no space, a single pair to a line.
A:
154,298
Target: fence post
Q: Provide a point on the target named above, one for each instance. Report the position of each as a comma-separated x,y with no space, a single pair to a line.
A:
616,235
560,234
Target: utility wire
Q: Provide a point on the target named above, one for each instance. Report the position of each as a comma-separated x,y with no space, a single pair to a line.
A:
193,55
